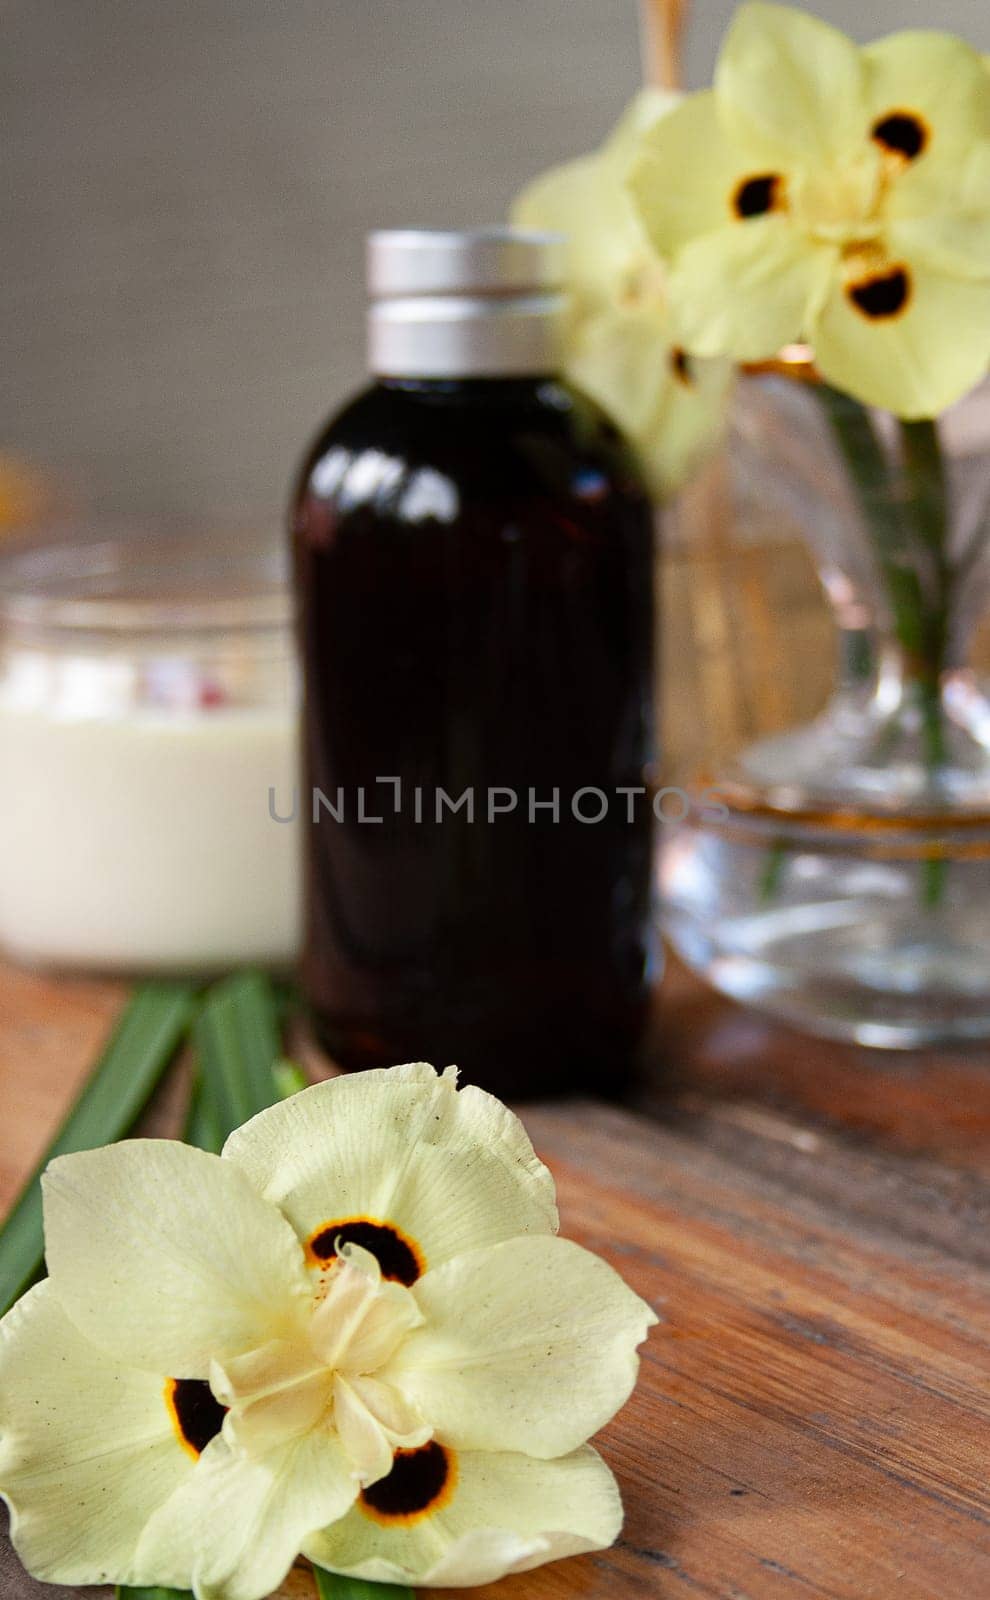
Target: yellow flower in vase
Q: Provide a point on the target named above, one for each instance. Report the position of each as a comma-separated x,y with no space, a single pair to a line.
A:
623,344
836,195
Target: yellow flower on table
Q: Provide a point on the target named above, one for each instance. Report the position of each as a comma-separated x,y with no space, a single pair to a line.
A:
623,345
354,1334
832,194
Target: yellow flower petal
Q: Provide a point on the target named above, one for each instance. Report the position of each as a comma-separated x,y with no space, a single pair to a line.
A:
234,1528
453,1170
933,91
690,423
508,1513
583,201
273,1394
686,174
914,361
948,223
956,244
747,290
587,201
88,1450
367,1446
789,87
644,110
373,1420
362,1317
935,80
618,346
528,1345
403,1425
671,408
622,360
167,1258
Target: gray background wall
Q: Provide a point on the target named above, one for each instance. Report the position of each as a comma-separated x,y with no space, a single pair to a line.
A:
185,185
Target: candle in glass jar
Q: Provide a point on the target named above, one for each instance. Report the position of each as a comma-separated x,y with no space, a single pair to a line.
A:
148,743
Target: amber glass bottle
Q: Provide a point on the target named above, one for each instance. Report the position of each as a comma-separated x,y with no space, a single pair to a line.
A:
473,557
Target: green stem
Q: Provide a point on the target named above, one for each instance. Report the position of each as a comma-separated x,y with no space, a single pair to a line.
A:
924,466
774,863
929,696
908,518
906,525
870,472
928,511
934,872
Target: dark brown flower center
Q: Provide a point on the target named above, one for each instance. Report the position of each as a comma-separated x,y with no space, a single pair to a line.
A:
882,294
902,132
399,1258
197,1415
681,366
419,1482
754,197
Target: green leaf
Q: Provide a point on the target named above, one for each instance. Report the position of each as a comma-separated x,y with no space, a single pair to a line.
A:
334,1586
237,1045
289,1079
141,1047
203,1126
152,1594
329,1586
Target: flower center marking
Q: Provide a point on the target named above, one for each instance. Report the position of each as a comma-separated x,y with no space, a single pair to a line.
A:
420,1482
881,295
754,197
903,133
196,1415
681,367
399,1258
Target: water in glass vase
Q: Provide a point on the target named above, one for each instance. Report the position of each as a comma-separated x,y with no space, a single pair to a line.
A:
848,889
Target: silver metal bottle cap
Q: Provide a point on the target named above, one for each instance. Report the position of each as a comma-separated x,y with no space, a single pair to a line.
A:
480,302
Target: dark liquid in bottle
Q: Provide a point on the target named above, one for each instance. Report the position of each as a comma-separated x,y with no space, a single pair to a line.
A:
475,579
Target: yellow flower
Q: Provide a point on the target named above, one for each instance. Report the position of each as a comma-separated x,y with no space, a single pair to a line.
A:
354,1335
622,343
835,195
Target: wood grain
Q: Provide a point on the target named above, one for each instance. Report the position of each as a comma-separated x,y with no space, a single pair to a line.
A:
812,1223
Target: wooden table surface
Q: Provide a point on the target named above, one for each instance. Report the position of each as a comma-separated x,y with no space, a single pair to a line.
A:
812,1223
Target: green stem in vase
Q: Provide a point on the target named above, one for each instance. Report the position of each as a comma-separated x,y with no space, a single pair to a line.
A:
927,510
924,467
774,864
906,511
906,514
870,472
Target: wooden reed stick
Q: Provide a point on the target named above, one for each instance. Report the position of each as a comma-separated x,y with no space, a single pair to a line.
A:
661,25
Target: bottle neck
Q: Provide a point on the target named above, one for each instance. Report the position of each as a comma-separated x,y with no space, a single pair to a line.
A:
461,336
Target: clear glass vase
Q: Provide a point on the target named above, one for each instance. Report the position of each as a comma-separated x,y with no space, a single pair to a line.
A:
844,883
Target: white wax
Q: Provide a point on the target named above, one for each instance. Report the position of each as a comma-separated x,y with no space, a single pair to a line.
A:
143,842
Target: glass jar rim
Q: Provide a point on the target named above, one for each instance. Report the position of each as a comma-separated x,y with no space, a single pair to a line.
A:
163,580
